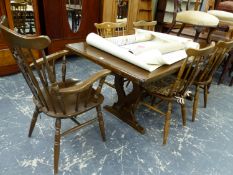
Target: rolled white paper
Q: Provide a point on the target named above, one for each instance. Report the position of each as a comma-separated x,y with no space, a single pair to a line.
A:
160,49
102,44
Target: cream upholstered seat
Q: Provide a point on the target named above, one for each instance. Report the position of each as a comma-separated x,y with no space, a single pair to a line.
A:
225,19
222,15
197,18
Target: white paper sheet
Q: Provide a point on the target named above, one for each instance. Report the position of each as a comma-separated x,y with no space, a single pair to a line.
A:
130,39
151,58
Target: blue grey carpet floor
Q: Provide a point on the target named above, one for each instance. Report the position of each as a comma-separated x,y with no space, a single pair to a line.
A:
204,147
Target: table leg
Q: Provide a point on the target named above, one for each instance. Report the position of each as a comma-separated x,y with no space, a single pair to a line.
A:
125,107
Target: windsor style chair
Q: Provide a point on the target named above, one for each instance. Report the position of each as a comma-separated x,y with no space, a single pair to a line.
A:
205,76
171,88
110,29
59,99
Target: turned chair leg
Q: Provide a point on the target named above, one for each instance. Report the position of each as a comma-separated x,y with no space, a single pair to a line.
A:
195,103
205,95
172,26
231,74
208,39
197,34
183,112
57,145
181,29
231,83
101,122
33,121
225,68
167,123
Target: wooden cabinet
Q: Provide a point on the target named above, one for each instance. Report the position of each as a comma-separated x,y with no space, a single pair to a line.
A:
137,10
144,10
56,24
7,62
52,18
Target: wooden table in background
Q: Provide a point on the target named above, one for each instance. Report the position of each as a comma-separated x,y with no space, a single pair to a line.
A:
125,107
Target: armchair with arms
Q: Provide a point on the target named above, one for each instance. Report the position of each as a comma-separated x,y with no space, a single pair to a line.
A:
64,99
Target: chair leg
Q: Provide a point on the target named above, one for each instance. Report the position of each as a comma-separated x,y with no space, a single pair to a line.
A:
231,83
33,121
181,29
225,68
172,26
208,39
183,112
127,83
167,123
205,95
101,122
198,31
195,103
57,145
231,74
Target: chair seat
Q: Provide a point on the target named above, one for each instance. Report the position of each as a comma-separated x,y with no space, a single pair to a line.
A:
162,86
197,18
69,102
222,15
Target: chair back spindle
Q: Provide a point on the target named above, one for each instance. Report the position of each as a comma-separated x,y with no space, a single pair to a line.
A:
192,65
42,81
221,50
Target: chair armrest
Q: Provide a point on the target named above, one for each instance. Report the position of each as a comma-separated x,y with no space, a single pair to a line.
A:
84,85
53,56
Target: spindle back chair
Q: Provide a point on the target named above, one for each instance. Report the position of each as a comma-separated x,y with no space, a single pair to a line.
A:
60,99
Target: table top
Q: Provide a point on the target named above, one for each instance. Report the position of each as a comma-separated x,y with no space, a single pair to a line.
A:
119,66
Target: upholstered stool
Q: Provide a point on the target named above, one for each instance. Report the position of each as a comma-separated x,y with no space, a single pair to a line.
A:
198,19
225,19
222,15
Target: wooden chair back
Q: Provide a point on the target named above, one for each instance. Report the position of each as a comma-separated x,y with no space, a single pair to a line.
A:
52,96
64,99
110,29
145,25
221,49
192,65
